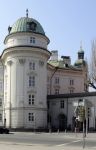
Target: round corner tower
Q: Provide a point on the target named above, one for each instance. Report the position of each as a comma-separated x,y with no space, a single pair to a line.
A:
25,74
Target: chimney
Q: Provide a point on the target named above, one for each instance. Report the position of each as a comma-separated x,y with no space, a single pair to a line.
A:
54,55
66,60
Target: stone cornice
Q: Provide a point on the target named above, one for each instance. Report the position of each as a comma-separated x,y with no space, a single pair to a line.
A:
26,33
26,108
26,48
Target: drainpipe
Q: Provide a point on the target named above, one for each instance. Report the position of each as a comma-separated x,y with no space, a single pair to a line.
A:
56,68
67,111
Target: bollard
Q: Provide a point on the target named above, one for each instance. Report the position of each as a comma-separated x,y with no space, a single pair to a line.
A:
49,130
58,131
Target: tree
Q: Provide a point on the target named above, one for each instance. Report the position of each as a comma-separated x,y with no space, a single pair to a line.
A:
92,66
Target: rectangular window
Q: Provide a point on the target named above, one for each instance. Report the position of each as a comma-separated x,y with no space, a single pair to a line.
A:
56,91
56,80
71,90
71,82
62,104
0,117
31,116
31,26
32,40
32,65
31,81
31,99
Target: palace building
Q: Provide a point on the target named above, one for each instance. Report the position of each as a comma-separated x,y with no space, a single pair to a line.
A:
30,74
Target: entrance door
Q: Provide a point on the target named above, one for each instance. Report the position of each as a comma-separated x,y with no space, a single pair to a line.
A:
62,122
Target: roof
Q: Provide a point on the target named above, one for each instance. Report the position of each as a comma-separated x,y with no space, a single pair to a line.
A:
60,65
26,24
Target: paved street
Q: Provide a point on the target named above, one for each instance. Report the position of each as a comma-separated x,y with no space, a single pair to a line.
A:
46,141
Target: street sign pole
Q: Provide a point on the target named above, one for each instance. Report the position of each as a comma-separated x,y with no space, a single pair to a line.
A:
82,113
86,126
83,135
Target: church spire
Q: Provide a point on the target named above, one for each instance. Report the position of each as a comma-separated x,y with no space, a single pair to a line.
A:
27,13
81,52
81,45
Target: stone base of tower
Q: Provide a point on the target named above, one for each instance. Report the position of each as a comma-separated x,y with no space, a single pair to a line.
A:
26,118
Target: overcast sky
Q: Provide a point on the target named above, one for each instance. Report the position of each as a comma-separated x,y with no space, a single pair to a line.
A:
65,22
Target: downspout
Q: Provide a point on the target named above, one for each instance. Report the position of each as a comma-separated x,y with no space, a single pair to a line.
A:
67,111
56,68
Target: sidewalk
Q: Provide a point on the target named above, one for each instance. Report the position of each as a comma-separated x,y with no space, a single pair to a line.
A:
12,146
65,146
77,135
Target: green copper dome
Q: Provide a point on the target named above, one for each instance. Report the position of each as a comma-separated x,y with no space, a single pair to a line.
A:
80,62
26,24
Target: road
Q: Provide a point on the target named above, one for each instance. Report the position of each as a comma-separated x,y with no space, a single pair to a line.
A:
57,140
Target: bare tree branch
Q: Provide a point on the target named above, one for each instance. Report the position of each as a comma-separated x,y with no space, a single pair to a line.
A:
92,66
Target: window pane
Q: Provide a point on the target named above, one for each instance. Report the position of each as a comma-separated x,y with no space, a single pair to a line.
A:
31,99
32,81
56,91
32,65
32,40
31,117
56,80
62,104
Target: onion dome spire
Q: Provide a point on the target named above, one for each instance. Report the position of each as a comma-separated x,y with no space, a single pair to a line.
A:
27,13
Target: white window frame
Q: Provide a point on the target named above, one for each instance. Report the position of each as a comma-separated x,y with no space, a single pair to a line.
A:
56,91
32,65
62,104
32,40
31,99
57,80
31,81
30,117
71,82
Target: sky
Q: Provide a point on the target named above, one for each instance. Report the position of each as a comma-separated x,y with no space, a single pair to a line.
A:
65,22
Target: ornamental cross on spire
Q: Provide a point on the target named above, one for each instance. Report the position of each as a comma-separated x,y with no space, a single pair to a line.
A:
27,12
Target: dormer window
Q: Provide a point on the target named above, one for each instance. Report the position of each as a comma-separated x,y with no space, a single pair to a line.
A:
31,26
